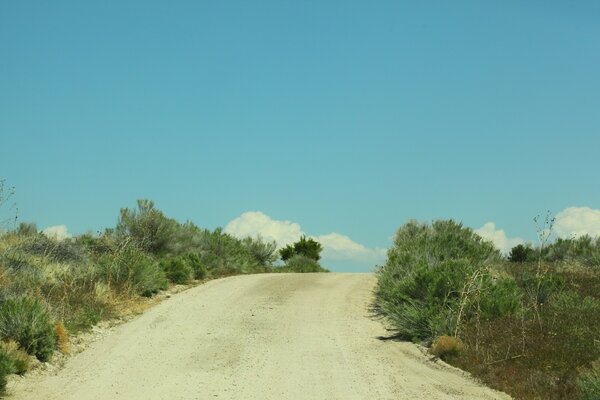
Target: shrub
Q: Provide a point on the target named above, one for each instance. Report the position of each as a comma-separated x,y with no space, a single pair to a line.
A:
502,297
430,274
66,250
263,252
27,322
588,382
147,226
27,229
446,346
540,289
309,248
522,253
177,269
131,270
148,278
223,254
20,358
301,263
197,265
7,367
583,249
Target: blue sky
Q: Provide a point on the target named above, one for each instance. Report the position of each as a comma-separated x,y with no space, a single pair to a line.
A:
342,117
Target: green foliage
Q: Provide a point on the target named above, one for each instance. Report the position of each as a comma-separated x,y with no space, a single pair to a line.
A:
20,358
27,322
309,248
501,297
27,229
52,249
197,265
177,269
588,382
539,289
522,253
224,255
131,271
301,263
428,275
287,252
7,367
263,252
147,227
583,249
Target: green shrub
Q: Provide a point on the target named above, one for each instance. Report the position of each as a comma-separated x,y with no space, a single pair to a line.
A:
27,322
522,253
263,252
177,269
588,382
20,358
197,265
148,278
432,272
539,289
501,297
7,367
308,248
223,254
131,271
66,250
27,229
148,227
302,264
584,250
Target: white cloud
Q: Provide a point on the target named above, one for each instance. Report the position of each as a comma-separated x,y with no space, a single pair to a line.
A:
341,247
254,223
497,236
58,232
577,221
335,246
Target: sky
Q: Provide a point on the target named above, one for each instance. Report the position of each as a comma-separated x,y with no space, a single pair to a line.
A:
338,120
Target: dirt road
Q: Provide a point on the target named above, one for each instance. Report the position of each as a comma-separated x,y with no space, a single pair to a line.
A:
275,336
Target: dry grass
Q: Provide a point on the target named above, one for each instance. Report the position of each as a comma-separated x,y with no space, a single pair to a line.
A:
62,337
446,346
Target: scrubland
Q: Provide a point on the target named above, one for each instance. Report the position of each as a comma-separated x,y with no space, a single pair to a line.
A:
51,289
527,324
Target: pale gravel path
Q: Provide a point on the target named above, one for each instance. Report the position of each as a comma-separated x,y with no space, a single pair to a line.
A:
264,337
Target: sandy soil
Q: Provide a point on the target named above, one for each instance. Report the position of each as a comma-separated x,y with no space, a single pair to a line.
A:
273,336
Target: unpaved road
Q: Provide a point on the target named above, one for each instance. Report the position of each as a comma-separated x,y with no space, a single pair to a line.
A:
275,336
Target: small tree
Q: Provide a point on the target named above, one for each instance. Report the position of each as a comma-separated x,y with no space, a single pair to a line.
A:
521,253
309,248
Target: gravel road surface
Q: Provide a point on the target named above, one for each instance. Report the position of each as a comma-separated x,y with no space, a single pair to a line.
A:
264,337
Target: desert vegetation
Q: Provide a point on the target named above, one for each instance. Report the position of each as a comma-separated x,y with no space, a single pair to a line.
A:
302,256
527,324
51,288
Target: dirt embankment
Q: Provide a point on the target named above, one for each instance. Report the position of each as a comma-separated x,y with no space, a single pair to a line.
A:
271,336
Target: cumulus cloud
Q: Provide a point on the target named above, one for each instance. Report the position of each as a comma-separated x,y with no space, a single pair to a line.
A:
335,246
341,247
497,236
577,221
58,232
254,223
